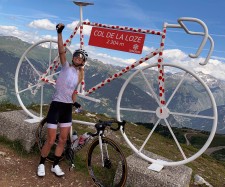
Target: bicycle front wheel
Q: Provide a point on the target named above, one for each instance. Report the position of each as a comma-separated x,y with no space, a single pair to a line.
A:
179,130
107,167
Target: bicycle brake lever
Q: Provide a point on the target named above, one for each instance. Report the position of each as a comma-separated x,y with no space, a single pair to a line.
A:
119,125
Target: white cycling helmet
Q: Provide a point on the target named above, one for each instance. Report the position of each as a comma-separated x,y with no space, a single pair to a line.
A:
81,52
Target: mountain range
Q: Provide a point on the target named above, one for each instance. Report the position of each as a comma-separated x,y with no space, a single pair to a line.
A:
191,97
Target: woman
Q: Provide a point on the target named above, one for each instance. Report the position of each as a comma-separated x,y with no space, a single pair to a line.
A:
60,111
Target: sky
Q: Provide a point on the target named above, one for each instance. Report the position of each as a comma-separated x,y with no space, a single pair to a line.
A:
32,21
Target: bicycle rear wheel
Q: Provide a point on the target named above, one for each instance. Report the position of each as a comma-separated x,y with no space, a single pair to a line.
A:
41,137
114,171
36,75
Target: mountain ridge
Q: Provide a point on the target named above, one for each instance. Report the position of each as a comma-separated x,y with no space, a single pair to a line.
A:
12,48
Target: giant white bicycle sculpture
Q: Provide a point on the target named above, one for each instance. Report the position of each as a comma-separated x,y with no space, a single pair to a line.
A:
45,72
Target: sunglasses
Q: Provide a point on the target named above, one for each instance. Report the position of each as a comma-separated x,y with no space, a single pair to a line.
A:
79,55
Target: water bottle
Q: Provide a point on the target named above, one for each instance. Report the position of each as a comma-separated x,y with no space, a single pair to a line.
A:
74,140
74,136
78,110
83,138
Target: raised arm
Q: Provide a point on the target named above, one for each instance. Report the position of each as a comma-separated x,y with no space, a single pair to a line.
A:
61,48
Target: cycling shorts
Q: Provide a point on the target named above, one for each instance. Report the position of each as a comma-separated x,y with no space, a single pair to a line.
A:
59,113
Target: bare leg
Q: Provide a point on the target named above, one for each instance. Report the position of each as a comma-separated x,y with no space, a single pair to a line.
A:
49,142
64,131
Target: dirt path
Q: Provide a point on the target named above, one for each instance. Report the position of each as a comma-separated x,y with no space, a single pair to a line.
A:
18,171
187,141
210,150
189,136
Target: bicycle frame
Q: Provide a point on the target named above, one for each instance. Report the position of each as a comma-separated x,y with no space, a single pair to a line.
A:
100,135
101,147
81,88
81,91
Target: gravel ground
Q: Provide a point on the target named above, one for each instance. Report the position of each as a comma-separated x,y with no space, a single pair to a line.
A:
17,171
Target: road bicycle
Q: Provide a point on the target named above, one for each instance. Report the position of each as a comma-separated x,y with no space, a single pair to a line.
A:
106,162
165,88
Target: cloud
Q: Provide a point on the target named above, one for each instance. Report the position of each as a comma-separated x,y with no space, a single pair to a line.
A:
214,67
7,28
113,60
13,31
174,55
86,30
42,24
148,49
30,37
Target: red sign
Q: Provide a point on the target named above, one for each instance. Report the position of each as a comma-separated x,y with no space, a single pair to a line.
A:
117,40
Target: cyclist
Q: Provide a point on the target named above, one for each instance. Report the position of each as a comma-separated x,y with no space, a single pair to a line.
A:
60,111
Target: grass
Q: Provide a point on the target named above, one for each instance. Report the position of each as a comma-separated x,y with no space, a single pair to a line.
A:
197,140
18,148
7,106
212,170
219,155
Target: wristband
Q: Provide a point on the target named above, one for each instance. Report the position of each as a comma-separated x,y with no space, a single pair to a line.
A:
77,105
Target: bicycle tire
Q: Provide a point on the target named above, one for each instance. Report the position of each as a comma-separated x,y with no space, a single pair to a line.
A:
114,172
151,105
41,137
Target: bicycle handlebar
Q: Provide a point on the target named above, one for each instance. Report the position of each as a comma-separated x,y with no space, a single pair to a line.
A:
101,125
205,35
210,51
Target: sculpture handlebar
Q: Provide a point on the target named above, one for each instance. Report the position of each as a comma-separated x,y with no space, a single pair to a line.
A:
205,35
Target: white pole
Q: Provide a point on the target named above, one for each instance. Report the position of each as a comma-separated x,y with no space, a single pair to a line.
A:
81,14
